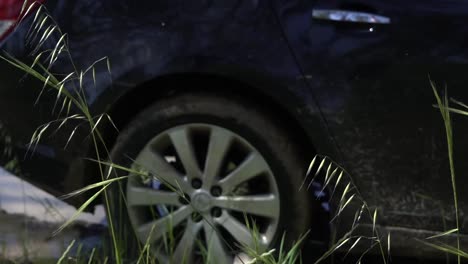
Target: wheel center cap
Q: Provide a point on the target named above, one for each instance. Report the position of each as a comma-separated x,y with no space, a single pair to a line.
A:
201,201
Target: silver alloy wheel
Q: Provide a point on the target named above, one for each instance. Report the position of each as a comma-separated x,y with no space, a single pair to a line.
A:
234,181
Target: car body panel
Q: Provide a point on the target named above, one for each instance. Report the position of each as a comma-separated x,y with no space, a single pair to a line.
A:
212,39
371,82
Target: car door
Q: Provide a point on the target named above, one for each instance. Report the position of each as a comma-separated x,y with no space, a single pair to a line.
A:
368,64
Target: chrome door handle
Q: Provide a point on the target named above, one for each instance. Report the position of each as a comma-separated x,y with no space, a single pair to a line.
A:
349,16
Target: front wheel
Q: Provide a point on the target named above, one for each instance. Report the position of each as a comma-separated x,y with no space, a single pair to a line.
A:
220,177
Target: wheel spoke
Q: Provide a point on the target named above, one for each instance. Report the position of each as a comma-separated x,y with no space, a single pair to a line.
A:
262,205
238,230
252,166
183,253
217,252
181,140
162,170
159,227
218,146
145,196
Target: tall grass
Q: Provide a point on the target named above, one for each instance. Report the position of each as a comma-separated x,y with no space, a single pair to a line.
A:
346,196
69,89
443,104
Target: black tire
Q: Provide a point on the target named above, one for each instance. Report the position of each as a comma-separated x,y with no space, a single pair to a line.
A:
255,126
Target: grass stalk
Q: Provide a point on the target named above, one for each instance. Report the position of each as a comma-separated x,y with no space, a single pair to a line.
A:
443,105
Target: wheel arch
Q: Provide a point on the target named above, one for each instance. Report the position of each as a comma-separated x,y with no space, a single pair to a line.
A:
135,100
141,96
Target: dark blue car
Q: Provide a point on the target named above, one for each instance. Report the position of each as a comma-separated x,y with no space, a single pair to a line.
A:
229,101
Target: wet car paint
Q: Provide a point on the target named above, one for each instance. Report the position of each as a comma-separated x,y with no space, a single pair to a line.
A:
372,84
155,51
361,97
